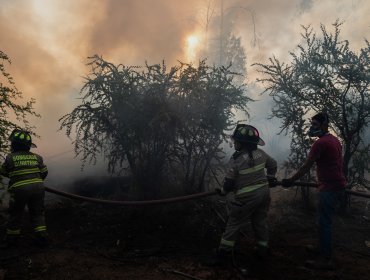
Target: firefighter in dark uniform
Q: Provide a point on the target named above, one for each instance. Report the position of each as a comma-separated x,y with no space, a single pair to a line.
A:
247,180
26,172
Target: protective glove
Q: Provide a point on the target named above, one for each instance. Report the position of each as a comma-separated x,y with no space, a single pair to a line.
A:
287,183
272,181
220,191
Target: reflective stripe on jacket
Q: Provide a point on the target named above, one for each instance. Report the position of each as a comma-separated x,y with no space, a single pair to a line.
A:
24,168
248,174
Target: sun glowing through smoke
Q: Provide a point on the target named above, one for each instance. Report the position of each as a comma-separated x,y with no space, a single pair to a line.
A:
193,41
192,46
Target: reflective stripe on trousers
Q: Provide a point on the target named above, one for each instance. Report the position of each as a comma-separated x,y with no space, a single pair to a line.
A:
253,207
40,228
13,231
32,196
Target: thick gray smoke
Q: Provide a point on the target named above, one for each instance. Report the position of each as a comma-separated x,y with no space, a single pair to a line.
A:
49,41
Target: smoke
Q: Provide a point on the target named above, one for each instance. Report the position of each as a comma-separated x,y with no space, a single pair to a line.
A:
49,42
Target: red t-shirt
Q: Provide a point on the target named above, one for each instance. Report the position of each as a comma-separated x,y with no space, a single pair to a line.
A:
327,151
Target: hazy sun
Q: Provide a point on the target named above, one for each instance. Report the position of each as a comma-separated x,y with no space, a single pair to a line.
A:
192,45
193,41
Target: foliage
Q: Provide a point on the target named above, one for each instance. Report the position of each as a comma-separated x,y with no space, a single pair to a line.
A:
231,53
324,75
160,124
227,50
235,57
10,107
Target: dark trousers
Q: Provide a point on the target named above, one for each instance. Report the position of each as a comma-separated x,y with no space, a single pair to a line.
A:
253,207
328,201
31,196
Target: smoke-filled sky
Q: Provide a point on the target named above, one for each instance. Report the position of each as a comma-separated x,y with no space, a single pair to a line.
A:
49,41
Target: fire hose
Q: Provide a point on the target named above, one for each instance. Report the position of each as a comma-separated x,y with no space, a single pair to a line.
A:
175,199
131,202
315,185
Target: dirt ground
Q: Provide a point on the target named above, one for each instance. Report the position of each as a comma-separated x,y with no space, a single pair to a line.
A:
91,241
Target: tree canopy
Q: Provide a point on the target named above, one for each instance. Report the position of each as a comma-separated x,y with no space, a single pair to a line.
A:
160,124
324,75
13,114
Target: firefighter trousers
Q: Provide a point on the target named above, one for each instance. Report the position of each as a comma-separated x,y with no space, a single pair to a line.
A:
31,196
252,207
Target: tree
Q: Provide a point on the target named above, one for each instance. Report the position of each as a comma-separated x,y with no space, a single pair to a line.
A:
207,95
226,48
324,75
235,57
155,122
12,113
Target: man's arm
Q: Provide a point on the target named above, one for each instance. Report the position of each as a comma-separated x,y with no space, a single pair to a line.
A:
303,169
314,154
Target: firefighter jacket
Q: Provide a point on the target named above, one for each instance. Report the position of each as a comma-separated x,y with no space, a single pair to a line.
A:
248,174
23,168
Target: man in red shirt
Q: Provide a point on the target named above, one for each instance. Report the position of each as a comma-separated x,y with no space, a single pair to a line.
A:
327,153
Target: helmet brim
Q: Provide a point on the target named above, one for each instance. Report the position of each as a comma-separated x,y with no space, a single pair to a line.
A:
261,142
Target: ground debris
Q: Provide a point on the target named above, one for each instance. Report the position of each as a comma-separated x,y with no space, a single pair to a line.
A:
94,242
180,273
2,274
9,259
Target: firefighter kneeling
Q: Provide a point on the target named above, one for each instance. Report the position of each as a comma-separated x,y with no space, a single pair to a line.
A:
26,172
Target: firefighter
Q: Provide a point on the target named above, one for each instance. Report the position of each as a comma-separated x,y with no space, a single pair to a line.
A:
26,172
249,198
